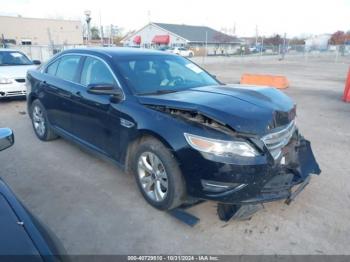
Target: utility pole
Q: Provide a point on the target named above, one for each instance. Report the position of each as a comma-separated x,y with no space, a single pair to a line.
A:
3,41
111,36
88,20
101,29
206,43
256,35
206,47
50,40
284,46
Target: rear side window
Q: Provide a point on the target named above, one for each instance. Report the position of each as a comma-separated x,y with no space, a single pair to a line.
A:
67,68
96,72
52,69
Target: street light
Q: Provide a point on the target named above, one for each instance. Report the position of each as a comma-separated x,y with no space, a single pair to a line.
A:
88,20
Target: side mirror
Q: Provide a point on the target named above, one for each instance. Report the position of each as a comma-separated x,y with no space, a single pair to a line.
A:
7,138
106,89
36,62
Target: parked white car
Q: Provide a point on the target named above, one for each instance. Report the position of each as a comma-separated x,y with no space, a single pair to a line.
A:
13,69
182,51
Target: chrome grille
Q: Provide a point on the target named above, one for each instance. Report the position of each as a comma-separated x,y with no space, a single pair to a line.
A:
275,141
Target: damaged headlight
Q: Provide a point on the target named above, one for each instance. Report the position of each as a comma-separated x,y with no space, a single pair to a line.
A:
220,147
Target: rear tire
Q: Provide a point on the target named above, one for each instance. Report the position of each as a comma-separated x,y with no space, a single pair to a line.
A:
40,122
158,175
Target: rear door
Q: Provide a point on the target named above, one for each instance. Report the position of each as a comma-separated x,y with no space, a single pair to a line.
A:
60,83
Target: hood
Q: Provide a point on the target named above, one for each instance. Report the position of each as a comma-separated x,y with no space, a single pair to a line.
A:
246,109
18,71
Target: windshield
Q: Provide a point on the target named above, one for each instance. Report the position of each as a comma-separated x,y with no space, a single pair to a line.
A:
156,74
10,58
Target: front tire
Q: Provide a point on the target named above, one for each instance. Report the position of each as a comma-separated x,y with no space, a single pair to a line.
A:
158,175
40,122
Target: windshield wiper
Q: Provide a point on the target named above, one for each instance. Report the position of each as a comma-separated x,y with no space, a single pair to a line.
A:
160,92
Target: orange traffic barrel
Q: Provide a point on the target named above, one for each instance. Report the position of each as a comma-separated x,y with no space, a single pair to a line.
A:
279,82
346,96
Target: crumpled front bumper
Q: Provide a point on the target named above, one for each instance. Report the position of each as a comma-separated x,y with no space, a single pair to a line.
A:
283,178
291,179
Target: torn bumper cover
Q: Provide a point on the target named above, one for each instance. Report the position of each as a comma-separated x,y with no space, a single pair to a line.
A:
290,179
279,179
285,185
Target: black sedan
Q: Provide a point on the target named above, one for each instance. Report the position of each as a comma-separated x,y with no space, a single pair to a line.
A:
175,127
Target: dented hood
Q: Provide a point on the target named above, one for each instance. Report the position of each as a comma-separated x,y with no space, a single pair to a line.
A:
246,109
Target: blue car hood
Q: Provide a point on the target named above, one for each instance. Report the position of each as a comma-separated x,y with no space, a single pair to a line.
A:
246,109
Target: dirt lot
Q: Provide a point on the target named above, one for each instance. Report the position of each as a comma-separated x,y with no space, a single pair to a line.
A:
95,208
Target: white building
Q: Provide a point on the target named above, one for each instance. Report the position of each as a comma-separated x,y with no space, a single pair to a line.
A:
40,31
197,38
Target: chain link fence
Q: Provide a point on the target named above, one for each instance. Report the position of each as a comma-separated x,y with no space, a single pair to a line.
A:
43,53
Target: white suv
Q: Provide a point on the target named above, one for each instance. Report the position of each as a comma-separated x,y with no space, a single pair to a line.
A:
13,69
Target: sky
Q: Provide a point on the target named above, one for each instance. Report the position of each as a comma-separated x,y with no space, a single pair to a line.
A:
295,17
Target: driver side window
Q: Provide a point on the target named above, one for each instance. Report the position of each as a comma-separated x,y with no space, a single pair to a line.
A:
96,72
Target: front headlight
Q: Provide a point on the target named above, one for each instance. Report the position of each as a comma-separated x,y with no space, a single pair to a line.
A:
220,147
5,80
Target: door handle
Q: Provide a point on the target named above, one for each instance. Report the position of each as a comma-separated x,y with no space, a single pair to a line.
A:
78,94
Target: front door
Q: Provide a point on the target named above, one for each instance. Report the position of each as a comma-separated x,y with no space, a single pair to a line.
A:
93,118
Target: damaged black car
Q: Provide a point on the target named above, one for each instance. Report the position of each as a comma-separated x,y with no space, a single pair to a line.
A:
184,135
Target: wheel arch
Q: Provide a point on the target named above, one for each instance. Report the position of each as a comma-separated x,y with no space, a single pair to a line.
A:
140,136
30,100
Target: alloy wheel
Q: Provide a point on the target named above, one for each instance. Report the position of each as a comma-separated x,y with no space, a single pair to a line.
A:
153,176
39,121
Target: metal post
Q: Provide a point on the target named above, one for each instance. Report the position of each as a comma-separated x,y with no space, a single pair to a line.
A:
88,20
88,33
206,46
101,29
284,46
206,43
110,36
3,41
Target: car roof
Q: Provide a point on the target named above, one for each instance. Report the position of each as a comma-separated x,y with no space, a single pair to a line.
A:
116,51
